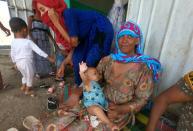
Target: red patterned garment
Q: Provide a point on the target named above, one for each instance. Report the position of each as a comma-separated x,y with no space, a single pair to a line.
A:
133,86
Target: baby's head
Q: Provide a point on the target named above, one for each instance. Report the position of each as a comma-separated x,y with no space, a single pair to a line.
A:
18,27
92,74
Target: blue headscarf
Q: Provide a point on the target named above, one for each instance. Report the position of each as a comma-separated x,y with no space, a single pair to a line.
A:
133,30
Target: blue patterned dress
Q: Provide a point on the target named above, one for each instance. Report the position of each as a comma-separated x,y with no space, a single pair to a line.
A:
95,34
95,96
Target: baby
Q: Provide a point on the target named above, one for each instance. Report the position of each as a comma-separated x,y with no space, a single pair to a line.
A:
22,53
93,97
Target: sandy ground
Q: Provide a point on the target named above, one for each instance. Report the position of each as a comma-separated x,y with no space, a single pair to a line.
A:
14,105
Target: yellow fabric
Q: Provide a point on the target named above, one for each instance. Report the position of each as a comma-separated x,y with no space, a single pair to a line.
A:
189,79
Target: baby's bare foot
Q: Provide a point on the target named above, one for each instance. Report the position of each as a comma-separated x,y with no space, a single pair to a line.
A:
114,127
51,127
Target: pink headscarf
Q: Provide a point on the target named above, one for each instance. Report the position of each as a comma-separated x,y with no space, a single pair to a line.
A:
132,29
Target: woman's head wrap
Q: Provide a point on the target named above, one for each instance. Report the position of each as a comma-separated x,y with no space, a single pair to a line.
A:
59,6
133,30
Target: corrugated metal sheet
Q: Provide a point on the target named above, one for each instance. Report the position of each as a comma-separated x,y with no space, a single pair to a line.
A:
168,32
20,8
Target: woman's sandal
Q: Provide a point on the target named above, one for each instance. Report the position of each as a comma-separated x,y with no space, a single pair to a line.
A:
31,122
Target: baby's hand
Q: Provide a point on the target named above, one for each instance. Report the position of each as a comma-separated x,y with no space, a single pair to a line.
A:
83,67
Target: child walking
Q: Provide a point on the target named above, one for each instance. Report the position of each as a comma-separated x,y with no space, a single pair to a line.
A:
22,53
93,96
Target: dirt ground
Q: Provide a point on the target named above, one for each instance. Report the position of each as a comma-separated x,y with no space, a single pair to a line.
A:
14,105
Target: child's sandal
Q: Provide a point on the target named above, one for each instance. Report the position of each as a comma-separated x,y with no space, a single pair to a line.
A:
30,122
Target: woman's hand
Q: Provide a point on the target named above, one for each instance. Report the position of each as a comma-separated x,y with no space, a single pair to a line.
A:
114,111
115,107
53,15
74,41
60,72
67,61
112,115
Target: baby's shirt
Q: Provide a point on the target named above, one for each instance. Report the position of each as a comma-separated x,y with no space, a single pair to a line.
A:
95,96
23,49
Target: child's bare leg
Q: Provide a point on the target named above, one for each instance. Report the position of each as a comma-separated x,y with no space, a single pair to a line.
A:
23,87
95,110
29,83
29,91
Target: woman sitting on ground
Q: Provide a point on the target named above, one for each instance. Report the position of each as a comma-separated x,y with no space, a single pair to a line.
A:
128,76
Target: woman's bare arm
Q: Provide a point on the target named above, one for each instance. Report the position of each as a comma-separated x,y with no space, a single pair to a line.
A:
7,31
170,96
